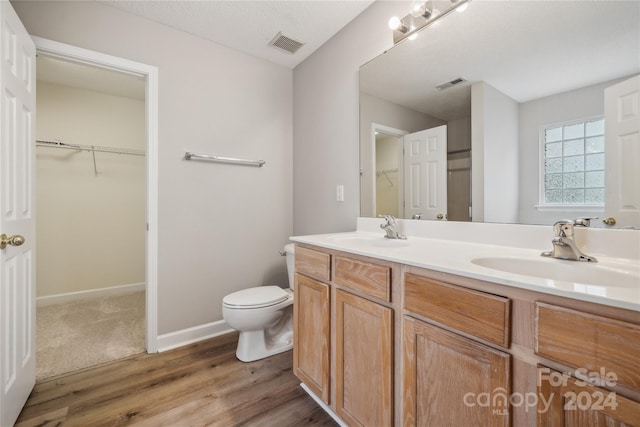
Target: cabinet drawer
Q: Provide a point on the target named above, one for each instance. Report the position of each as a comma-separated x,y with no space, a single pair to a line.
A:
587,341
475,313
313,263
371,279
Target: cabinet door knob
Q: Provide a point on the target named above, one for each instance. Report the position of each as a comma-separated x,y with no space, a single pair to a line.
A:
609,221
15,240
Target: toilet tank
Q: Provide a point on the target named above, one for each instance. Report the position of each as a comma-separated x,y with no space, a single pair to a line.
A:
289,251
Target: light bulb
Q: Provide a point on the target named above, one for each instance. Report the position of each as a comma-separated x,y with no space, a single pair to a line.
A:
462,8
417,8
394,23
413,36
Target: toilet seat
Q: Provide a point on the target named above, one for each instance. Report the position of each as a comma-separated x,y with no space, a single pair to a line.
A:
258,297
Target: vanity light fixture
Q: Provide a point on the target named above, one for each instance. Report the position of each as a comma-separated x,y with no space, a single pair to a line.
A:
422,14
396,24
422,9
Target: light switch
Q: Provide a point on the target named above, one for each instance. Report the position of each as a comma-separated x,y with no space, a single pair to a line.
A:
340,193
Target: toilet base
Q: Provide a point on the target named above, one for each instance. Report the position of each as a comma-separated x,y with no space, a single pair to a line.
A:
277,338
256,345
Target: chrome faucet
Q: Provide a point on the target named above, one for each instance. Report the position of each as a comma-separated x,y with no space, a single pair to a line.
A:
564,245
391,228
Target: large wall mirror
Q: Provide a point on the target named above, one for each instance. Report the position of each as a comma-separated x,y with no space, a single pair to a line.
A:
511,112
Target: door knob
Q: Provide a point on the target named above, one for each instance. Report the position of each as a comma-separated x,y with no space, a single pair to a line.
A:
609,221
15,240
440,216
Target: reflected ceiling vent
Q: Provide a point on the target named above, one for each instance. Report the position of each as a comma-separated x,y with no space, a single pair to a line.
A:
452,83
286,43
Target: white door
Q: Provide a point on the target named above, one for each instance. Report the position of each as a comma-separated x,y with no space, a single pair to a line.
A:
425,173
622,139
17,222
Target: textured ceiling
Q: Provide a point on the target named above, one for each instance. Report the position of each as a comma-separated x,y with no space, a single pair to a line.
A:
249,26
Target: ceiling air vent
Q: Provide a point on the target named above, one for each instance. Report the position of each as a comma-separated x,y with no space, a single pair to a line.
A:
452,83
286,43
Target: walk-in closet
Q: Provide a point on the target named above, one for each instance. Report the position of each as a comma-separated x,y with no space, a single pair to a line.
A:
91,227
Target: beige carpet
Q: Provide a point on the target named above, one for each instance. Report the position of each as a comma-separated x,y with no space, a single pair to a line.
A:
85,333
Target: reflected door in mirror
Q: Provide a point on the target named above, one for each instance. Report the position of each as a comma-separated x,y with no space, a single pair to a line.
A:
622,130
425,170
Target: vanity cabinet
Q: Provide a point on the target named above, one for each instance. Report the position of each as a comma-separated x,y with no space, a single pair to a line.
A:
388,344
343,335
560,336
364,361
448,377
312,321
364,341
566,401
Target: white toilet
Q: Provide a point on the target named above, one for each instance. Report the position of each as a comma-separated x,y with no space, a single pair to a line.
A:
264,317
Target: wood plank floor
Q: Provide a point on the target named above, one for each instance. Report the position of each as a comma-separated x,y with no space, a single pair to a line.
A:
202,384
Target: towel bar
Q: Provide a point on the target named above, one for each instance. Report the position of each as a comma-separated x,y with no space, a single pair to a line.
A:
220,159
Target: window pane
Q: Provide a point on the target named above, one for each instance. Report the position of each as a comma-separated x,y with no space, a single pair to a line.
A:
575,196
553,150
553,134
595,127
594,196
574,147
553,165
595,145
594,179
574,180
553,181
573,131
553,196
594,162
573,164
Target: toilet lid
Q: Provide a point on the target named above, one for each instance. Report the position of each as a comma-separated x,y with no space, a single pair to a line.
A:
261,296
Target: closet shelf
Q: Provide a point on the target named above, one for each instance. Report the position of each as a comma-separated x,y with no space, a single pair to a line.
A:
91,148
384,172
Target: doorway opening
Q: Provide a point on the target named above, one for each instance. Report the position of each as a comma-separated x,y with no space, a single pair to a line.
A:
96,162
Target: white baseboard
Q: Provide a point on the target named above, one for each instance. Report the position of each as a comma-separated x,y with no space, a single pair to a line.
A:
323,406
91,293
190,335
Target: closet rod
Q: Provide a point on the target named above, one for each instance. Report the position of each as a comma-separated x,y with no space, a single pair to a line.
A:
383,171
92,148
219,159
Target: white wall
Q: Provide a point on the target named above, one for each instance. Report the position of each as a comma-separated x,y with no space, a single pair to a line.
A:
90,228
381,112
576,104
494,155
220,226
326,124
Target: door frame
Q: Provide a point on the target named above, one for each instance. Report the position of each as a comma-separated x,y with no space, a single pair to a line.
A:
398,133
76,54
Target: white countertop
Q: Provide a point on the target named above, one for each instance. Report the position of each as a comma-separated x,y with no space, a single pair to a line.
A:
610,281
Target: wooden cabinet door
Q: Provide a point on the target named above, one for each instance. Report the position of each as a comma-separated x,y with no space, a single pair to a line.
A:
565,401
450,380
311,331
364,361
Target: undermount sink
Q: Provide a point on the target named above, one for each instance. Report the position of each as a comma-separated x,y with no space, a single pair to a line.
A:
585,273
